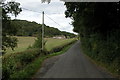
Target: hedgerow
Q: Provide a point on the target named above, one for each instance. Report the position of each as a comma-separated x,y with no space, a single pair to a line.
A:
15,64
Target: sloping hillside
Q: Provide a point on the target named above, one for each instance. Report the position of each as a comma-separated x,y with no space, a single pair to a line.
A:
27,28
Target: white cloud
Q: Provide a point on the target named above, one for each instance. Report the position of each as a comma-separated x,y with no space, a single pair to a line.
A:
54,10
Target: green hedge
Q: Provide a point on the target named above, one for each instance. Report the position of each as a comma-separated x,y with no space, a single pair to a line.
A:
105,51
18,62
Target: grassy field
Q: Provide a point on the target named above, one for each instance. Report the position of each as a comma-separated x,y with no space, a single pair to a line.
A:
25,42
52,43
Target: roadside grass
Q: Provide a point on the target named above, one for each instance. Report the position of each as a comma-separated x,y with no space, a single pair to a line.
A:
52,43
103,66
32,68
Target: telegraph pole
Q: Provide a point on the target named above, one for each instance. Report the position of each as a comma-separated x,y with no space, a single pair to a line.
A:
42,30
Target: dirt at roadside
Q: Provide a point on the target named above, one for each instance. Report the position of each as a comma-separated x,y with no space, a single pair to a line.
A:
46,65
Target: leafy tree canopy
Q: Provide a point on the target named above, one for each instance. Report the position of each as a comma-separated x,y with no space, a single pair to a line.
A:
98,25
7,30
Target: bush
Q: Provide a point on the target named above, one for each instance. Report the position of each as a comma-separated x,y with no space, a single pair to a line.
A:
104,49
17,61
38,42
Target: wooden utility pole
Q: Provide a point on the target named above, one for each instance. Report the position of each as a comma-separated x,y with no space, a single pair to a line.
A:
42,30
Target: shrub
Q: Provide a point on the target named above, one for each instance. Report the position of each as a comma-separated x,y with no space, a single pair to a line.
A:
17,61
104,50
38,42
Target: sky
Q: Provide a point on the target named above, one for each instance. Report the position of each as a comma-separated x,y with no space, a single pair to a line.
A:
54,10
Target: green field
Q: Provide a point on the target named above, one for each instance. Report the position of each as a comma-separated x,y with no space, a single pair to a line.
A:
52,43
25,42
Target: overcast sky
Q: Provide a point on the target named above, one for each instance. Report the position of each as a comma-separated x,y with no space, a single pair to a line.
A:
55,10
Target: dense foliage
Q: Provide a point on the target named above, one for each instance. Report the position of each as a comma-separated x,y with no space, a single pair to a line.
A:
18,61
26,28
98,25
7,30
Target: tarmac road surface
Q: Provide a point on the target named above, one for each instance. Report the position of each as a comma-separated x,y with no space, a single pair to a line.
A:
74,64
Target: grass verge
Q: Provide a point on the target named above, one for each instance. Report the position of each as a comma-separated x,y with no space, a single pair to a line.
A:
33,67
101,65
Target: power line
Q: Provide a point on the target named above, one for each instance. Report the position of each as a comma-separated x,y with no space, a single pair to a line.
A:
42,24
32,10
53,20
37,11
45,14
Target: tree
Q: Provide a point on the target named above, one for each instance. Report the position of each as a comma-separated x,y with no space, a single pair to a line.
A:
33,29
8,31
98,25
87,15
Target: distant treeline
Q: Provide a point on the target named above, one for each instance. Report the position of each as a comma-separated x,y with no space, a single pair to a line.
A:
27,28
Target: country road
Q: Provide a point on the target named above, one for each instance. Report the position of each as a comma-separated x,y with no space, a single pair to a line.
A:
74,64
